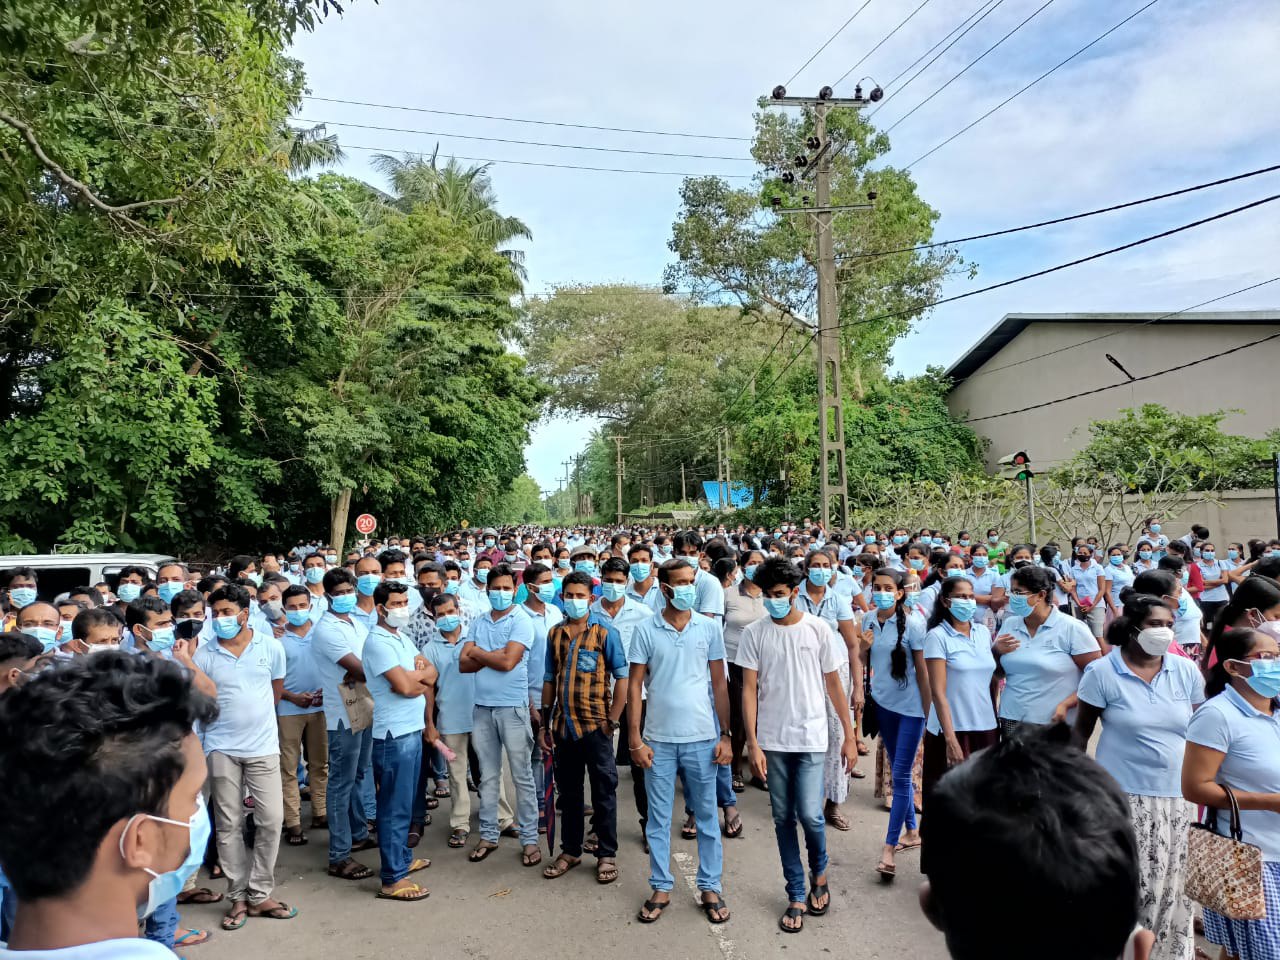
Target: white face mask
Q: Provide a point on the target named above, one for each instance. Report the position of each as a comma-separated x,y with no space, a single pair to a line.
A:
1154,641
398,617
100,647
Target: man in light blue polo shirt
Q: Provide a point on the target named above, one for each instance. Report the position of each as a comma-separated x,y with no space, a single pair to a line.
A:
710,594
401,682
313,579
672,655
243,751
456,705
642,580
497,652
539,606
300,717
336,644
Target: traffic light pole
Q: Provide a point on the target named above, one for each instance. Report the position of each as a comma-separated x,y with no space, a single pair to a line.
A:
1031,510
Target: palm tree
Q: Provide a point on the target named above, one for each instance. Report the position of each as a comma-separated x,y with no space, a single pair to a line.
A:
464,194
302,149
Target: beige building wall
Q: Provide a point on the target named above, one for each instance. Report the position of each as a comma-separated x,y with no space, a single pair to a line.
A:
1247,380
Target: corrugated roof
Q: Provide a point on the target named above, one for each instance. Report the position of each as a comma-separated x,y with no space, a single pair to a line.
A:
1012,324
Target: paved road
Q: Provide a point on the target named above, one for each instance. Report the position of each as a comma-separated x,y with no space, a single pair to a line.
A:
498,909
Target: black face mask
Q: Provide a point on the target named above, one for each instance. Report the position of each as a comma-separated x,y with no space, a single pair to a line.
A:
188,629
1019,564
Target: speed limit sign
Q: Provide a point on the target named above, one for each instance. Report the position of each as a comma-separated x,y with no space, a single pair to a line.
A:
366,523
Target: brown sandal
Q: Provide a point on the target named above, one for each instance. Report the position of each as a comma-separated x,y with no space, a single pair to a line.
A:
606,870
560,866
531,856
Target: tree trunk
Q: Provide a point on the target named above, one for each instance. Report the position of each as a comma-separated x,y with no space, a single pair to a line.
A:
339,510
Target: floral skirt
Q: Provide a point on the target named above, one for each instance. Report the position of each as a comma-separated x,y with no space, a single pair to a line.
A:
835,781
884,775
1251,939
1160,825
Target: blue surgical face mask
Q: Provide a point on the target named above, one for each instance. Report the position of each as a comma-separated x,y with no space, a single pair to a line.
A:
1265,678
1116,560
912,598
1182,604
585,566
448,623
166,886
777,607
451,587
1144,554
366,583
749,571
1208,554
954,572
612,591
937,541
547,592
899,540
1186,576
965,542
1233,554
47,636
1154,528
313,574
640,571
297,618
168,589
501,599
162,639
691,560
993,538
576,608
1019,605
129,592
225,628
344,603
820,576
963,609
563,563
883,599
915,563
22,596
684,596
482,574
870,539
980,562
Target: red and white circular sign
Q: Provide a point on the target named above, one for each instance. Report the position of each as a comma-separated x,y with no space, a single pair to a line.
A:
366,523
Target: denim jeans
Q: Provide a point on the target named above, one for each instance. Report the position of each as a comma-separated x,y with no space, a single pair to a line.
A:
396,763
365,788
349,753
901,736
795,794
8,906
162,925
497,729
693,760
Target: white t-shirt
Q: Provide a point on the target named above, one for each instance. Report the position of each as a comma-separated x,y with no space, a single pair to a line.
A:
132,948
791,662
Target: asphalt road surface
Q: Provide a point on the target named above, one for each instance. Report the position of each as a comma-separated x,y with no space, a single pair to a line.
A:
499,909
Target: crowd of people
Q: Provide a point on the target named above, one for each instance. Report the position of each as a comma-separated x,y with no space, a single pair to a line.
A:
382,684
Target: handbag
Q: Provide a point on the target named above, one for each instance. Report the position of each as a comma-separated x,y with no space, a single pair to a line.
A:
1224,874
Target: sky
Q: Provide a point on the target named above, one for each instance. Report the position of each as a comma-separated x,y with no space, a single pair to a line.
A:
1182,94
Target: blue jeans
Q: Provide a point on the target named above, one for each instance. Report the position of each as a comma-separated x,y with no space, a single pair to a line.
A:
901,736
366,791
497,729
349,753
162,925
693,762
725,795
8,907
396,764
795,794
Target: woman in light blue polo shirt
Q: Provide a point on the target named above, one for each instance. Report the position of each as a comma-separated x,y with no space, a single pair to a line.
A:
1144,697
1119,576
957,653
900,688
988,585
1234,740
1043,653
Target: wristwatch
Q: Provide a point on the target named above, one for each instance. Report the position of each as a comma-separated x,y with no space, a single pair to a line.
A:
724,736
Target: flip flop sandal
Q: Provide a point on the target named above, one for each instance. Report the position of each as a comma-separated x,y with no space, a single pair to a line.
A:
907,846
409,894
281,911
863,749
200,895
560,866
432,803
482,851
419,864
606,870
739,785
887,871
215,873
441,793
818,890
234,919
458,839
295,837
415,834
350,869
510,831
650,906
531,856
712,906
689,832
192,938
835,819
368,843
591,844
733,828
793,913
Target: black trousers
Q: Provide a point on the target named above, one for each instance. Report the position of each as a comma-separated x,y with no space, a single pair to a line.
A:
624,759
593,755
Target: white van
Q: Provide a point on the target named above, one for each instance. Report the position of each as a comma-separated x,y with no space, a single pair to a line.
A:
57,573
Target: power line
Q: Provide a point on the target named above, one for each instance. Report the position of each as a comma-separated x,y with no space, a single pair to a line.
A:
1018,93
527,143
546,123
970,64
1067,219
902,23
891,91
829,39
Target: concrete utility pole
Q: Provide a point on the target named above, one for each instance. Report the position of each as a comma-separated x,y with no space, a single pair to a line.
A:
728,474
684,497
720,468
835,485
617,446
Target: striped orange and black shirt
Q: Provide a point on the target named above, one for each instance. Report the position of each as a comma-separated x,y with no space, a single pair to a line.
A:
579,662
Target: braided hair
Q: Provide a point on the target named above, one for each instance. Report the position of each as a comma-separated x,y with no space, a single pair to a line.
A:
898,655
